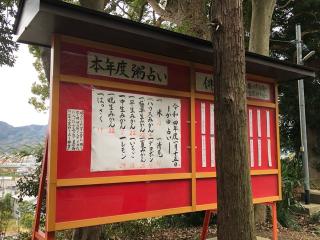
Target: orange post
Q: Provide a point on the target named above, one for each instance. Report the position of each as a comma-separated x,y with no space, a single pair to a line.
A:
205,226
36,234
50,235
274,221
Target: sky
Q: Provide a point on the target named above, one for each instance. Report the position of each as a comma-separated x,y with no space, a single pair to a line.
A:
15,90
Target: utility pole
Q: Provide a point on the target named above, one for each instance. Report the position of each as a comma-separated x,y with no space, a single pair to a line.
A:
303,129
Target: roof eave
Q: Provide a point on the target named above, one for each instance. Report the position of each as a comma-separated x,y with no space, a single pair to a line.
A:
61,18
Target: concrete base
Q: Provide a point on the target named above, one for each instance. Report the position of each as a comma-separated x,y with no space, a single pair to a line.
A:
311,208
314,196
258,238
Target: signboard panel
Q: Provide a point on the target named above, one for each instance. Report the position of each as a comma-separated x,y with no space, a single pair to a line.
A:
77,164
143,131
259,90
88,202
130,146
124,68
75,61
204,82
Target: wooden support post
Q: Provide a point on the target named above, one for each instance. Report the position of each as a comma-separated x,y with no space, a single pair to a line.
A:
205,226
50,236
37,234
274,221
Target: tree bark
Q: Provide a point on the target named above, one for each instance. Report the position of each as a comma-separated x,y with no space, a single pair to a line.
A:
314,156
199,22
260,29
45,59
235,208
90,233
87,233
262,11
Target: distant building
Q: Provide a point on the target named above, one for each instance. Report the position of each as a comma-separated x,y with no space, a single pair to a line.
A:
7,185
15,203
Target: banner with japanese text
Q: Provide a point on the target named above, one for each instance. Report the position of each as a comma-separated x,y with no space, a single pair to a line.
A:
133,131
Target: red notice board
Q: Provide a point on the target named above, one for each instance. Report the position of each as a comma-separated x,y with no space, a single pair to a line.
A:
132,136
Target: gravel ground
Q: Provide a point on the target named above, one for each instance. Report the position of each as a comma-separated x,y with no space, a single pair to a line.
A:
193,233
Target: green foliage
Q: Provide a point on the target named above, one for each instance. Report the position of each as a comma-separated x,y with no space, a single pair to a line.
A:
7,45
247,8
291,170
28,185
184,220
307,13
289,118
20,236
135,10
40,88
138,229
5,212
315,218
66,234
26,210
183,27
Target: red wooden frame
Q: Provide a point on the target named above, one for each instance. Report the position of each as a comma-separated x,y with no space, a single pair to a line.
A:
78,197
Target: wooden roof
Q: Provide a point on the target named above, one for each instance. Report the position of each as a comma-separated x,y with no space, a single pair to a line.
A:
37,20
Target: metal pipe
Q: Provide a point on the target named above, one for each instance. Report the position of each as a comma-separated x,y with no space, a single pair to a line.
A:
303,129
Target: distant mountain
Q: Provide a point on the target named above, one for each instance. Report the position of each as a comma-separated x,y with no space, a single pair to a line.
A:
13,138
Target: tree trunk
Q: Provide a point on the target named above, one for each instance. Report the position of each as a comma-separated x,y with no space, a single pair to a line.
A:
45,59
199,22
313,153
235,208
87,233
262,11
260,29
90,233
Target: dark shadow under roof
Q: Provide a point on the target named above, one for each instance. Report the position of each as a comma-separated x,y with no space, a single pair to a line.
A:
37,20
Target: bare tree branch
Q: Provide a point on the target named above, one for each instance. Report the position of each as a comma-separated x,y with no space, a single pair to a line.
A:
309,32
142,11
158,22
305,13
154,18
285,5
160,11
123,10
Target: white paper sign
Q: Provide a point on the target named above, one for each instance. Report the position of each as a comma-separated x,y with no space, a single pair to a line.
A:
204,151
269,153
204,82
259,122
203,118
133,131
259,153
75,120
251,153
250,123
268,123
211,119
124,68
258,90
213,152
